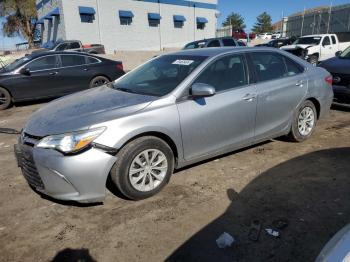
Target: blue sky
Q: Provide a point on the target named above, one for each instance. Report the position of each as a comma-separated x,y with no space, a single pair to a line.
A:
250,9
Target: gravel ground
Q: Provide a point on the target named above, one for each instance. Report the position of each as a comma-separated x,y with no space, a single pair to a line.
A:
301,190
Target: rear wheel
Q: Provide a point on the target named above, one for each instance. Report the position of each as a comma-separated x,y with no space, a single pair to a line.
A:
99,81
143,167
304,122
5,99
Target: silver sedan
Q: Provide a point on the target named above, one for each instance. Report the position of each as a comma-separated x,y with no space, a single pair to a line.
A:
174,110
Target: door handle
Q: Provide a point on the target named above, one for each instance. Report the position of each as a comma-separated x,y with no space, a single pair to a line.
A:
53,73
249,97
86,69
300,83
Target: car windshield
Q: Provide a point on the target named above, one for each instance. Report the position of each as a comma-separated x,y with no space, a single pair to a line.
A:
17,63
308,41
159,76
345,53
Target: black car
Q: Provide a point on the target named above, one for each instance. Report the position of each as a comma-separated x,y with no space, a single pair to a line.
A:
54,74
339,67
212,42
277,43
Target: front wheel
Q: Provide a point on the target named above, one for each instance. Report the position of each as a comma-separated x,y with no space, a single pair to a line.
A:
304,122
143,167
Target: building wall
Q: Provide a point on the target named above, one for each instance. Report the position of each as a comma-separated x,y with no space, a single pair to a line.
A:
107,30
54,29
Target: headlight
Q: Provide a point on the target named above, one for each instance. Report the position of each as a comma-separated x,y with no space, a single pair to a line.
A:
71,142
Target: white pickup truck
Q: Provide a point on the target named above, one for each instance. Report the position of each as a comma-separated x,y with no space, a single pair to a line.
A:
316,48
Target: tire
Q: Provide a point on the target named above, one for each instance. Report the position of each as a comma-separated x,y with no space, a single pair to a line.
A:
313,60
303,129
98,81
5,99
137,185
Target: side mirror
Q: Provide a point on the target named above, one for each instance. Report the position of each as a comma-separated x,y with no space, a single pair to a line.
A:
338,53
202,90
24,71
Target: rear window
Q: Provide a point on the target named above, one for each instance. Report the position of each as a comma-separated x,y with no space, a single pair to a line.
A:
91,60
72,60
228,42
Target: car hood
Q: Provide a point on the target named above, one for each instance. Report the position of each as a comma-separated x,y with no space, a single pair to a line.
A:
291,47
81,110
337,65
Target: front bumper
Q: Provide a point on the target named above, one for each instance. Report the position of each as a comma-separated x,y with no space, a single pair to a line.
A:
341,94
81,177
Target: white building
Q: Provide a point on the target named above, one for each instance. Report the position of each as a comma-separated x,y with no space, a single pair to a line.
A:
128,24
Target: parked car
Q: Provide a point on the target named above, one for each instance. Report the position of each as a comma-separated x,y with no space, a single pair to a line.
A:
173,111
338,248
276,35
339,67
241,34
265,36
54,74
277,43
241,43
316,48
72,45
212,42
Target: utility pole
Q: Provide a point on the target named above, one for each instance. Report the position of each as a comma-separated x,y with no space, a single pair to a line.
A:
159,30
98,21
329,16
302,23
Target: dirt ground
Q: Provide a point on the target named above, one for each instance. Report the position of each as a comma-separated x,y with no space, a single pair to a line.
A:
302,190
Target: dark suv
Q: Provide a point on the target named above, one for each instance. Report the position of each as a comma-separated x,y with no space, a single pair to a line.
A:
212,42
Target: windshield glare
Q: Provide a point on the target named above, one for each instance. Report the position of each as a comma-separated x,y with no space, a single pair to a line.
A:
17,63
159,76
346,53
307,41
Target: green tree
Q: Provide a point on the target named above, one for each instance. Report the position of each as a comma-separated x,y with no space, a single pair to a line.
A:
20,19
235,20
263,23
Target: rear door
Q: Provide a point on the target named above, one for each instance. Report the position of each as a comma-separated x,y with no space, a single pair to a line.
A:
223,121
76,71
281,86
43,80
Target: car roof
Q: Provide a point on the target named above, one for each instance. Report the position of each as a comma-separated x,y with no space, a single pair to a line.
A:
214,51
209,39
44,53
319,35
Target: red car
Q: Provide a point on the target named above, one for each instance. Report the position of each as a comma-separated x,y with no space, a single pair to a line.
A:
240,34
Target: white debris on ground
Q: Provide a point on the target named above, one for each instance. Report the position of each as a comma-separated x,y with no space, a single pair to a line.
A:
225,240
272,232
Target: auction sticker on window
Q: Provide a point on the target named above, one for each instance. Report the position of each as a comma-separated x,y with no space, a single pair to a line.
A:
183,62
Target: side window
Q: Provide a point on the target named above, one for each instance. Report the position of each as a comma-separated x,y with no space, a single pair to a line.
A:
214,43
228,42
43,63
74,45
326,41
91,60
268,66
226,73
62,47
334,41
292,67
72,60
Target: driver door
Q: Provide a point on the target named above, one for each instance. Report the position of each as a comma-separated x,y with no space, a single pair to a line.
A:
326,49
224,121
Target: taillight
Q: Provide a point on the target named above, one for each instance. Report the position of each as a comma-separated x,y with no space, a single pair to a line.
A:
329,80
119,67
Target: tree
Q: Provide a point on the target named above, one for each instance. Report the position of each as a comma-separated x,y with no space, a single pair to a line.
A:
20,19
235,20
263,23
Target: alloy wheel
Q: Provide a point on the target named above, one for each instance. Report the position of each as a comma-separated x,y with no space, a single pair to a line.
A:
306,121
148,169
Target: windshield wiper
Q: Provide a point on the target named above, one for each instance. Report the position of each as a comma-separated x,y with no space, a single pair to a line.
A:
133,91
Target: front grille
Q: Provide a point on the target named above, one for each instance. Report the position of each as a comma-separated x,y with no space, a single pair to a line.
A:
29,170
30,140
